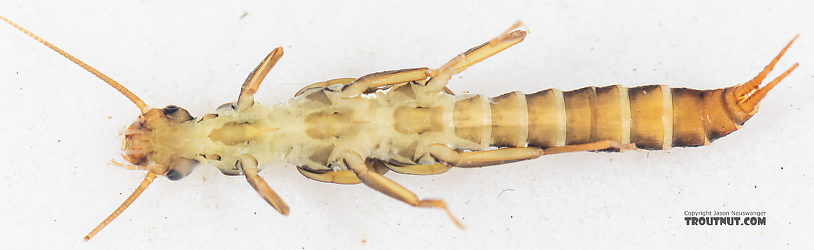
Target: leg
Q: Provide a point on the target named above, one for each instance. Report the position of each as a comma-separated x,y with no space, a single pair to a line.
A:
441,76
330,176
252,83
378,79
437,168
249,166
507,155
325,84
593,146
341,176
482,158
388,187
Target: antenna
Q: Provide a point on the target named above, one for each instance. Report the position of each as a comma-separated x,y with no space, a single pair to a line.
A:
139,103
133,98
141,187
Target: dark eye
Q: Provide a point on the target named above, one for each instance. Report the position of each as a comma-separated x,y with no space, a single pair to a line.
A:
174,175
176,113
169,110
180,167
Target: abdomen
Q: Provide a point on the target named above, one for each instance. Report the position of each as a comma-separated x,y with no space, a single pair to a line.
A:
651,117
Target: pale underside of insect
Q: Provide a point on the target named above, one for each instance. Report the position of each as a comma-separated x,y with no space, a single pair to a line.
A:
353,130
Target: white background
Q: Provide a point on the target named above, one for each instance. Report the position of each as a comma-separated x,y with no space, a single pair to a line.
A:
59,126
